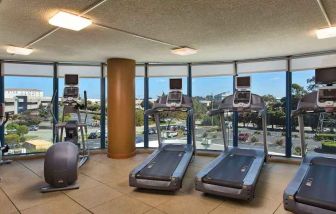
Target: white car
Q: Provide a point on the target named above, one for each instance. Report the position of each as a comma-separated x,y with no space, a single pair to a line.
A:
169,134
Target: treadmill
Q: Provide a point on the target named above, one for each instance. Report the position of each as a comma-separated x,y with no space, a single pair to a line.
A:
164,169
234,173
313,189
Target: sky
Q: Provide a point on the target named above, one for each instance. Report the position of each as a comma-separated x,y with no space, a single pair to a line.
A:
262,83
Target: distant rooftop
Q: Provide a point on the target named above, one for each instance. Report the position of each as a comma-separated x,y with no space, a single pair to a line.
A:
22,89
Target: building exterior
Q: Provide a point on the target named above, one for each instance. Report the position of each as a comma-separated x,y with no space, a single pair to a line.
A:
18,100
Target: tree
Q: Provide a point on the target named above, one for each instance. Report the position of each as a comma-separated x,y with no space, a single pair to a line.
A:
298,91
139,117
311,84
19,130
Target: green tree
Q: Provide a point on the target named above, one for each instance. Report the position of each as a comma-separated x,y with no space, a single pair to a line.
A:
139,117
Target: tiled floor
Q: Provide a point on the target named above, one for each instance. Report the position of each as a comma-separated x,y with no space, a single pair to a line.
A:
104,189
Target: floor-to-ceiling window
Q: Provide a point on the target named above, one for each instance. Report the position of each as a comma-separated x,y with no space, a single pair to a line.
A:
208,92
272,87
173,125
319,127
139,106
28,92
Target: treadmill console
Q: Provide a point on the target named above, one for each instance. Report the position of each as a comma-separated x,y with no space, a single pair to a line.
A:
174,98
71,93
242,97
326,96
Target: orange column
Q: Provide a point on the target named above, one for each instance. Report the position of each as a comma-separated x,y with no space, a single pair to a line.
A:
121,107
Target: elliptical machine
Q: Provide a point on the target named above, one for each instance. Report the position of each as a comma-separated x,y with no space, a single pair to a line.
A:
3,148
63,159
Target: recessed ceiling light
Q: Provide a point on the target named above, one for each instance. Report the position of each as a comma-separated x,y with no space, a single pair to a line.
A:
69,21
19,51
326,33
184,51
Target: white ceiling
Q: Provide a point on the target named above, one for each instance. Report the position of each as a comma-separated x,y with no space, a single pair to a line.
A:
222,30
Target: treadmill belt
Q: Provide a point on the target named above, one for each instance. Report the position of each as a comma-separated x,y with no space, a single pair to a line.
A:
162,166
319,187
230,172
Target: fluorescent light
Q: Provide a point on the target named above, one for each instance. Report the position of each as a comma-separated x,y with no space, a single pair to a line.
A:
69,21
184,51
326,33
19,51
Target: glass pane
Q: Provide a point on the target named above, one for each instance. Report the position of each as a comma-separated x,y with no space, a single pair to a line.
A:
139,111
319,127
208,92
173,125
272,87
29,129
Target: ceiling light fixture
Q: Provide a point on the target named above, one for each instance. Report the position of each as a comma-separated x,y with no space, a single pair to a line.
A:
326,33
19,51
69,21
184,51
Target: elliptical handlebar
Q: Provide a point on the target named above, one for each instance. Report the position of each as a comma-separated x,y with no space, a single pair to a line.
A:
51,105
85,100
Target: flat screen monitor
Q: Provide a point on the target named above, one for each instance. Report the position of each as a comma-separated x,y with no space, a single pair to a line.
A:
71,79
243,82
175,84
325,75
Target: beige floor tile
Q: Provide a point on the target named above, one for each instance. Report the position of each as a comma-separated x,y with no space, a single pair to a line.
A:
123,204
104,183
271,191
86,182
62,205
154,211
192,171
121,185
258,205
201,161
151,197
281,210
190,204
35,165
6,206
94,196
29,195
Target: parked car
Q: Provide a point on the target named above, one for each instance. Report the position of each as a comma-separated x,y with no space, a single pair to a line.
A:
93,135
139,139
243,137
33,128
151,131
170,134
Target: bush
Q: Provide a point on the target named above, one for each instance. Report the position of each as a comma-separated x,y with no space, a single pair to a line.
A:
280,142
329,137
12,138
254,139
205,135
297,150
269,134
329,143
257,132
